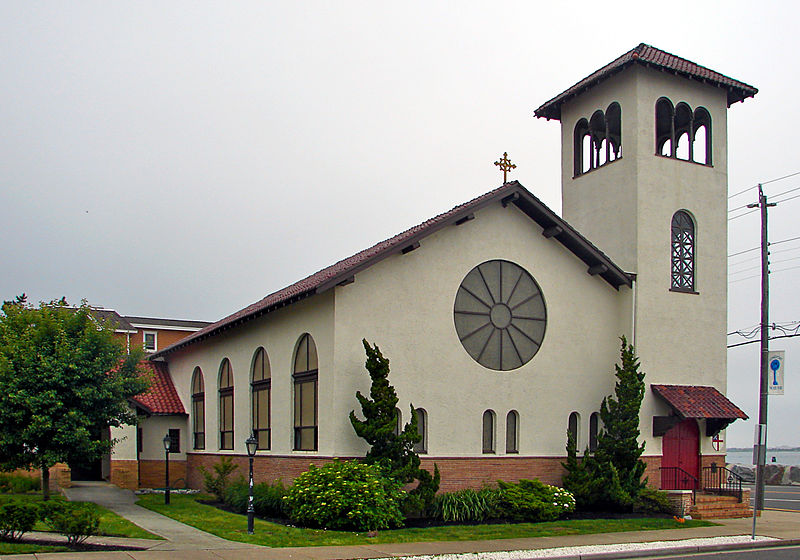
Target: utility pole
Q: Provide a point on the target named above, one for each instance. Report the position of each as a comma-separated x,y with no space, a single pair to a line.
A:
761,429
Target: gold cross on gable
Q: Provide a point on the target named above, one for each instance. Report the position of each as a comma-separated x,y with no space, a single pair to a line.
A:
506,165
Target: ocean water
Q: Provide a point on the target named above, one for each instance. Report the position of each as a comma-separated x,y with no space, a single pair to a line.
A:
781,457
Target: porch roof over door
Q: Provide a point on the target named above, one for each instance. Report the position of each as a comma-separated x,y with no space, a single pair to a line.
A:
697,401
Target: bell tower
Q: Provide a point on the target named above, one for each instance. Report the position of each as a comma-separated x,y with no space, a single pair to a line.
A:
644,177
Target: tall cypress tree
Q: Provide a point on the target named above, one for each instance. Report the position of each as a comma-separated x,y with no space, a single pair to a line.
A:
617,442
611,479
379,427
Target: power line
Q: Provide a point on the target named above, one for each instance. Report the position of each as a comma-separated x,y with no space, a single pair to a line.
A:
754,341
786,192
790,198
764,183
785,240
745,251
745,214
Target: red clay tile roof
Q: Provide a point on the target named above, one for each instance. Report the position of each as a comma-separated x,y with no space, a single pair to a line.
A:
161,398
696,401
654,58
343,271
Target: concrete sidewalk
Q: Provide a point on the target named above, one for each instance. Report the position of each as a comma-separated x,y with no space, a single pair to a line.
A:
177,535
191,544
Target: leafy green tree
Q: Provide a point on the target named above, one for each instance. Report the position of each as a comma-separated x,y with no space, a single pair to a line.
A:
611,479
63,374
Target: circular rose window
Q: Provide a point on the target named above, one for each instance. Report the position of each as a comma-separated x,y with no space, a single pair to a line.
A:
500,315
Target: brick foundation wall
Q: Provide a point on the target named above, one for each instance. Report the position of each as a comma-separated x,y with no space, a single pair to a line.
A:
475,472
271,468
651,472
706,460
151,474
125,474
457,473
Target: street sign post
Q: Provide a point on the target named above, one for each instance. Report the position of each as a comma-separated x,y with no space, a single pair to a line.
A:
776,369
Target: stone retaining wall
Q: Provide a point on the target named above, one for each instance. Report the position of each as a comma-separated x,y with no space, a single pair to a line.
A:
775,475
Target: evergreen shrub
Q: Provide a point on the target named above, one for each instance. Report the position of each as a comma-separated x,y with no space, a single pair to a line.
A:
217,481
533,500
76,521
16,519
345,495
651,500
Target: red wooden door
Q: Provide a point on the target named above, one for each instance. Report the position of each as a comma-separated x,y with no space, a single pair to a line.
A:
680,448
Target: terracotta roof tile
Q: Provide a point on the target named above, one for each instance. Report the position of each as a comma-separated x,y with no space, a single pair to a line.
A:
697,401
340,272
655,58
161,398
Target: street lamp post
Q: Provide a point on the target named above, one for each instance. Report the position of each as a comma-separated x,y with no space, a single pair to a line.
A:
167,444
252,445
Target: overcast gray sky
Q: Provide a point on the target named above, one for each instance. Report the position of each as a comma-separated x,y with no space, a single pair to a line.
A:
184,159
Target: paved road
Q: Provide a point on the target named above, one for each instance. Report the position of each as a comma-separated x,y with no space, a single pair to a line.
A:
786,498
772,553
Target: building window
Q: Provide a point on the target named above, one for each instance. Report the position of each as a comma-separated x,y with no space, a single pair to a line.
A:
512,432
594,424
150,339
597,141
174,440
682,252
572,428
488,431
225,405
398,424
682,133
198,410
260,384
306,371
422,430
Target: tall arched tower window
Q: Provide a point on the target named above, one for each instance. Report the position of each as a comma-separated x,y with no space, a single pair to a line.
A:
597,141
683,239
198,410
422,429
488,431
572,428
305,395
225,405
260,386
512,432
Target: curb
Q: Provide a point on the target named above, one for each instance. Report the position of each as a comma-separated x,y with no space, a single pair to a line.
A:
692,549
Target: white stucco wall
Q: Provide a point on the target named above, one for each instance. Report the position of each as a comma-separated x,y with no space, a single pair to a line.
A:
279,332
405,305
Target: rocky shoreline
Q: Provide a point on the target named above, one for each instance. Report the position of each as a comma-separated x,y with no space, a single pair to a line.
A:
775,475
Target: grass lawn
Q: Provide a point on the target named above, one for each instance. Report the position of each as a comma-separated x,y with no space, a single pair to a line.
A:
232,526
26,548
111,524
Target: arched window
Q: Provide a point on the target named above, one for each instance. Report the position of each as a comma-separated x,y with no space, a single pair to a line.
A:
702,136
594,424
398,421
512,432
422,429
488,431
572,428
225,405
683,238
681,133
198,409
305,394
597,141
260,385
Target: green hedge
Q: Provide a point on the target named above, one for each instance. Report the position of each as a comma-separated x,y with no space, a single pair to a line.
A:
267,498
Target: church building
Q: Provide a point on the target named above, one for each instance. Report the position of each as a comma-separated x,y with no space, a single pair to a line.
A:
502,320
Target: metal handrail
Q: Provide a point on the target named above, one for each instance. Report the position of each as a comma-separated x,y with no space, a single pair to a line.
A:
722,480
678,479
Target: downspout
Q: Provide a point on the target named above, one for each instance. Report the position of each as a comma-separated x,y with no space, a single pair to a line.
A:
634,289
